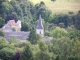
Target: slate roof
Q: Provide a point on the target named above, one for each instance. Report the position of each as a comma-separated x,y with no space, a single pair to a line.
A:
39,25
18,35
47,39
7,28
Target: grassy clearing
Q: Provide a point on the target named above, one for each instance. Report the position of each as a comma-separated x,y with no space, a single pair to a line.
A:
61,6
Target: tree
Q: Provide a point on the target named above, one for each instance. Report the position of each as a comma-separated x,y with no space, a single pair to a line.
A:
33,37
25,26
74,34
2,33
72,58
2,22
58,32
4,44
27,53
17,55
77,22
53,0
7,53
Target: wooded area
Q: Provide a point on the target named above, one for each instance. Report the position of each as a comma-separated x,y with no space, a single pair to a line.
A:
63,28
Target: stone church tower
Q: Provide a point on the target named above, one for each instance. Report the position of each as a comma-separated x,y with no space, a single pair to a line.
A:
40,28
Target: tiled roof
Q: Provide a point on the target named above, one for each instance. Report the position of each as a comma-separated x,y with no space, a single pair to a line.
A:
12,23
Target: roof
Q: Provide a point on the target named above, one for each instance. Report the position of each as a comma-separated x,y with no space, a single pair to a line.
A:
18,35
7,28
39,25
47,39
12,23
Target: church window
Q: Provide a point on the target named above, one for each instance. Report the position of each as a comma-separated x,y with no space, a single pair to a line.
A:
40,32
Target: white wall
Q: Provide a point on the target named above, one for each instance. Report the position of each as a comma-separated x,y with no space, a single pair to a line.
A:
40,32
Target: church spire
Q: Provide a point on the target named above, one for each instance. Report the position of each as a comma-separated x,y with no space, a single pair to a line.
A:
39,25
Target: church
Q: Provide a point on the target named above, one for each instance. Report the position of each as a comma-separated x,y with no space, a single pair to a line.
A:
40,28
22,36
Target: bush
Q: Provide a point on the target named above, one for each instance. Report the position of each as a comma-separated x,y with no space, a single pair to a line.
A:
7,53
72,58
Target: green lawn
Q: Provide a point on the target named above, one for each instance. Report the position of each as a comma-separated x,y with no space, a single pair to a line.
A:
61,6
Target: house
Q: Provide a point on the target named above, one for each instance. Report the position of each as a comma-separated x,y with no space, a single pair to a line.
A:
11,24
40,28
22,36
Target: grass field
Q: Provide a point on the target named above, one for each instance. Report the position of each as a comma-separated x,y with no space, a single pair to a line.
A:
61,6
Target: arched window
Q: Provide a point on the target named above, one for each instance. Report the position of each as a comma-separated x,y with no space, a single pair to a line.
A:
40,32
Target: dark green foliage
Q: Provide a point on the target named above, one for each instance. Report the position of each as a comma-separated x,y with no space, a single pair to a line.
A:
43,56
17,55
72,58
4,44
2,33
47,33
61,18
62,47
27,53
74,34
25,26
1,22
77,22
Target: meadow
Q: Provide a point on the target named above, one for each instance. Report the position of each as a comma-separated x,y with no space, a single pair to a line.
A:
61,6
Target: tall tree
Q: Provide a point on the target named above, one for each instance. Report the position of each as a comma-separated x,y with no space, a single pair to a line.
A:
77,22
2,22
27,53
33,37
25,26
53,0
2,33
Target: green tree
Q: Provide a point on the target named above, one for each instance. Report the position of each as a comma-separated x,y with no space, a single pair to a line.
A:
4,44
27,53
77,22
33,37
7,53
25,26
74,35
43,54
53,0
62,48
2,22
72,58
76,48
58,32
2,33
